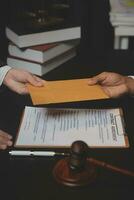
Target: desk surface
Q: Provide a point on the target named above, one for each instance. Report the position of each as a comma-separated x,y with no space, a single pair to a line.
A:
32,179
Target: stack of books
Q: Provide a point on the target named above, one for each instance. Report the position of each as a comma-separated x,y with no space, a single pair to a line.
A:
122,12
40,46
41,59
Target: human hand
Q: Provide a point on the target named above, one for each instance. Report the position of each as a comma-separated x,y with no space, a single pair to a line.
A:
113,84
16,80
5,140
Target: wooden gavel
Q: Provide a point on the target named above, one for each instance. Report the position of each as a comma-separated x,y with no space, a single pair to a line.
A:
79,156
78,169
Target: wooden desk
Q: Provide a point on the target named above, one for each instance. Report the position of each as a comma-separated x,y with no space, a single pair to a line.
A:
32,179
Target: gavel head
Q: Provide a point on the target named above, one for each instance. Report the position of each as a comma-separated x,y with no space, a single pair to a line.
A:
78,156
75,170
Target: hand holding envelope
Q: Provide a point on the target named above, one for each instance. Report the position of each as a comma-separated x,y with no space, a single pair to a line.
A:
65,91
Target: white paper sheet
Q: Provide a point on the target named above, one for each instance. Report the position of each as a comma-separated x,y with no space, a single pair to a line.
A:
60,127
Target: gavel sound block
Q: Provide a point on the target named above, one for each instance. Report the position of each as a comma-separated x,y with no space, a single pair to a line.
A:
75,170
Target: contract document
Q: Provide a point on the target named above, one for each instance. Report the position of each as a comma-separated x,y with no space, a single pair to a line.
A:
54,127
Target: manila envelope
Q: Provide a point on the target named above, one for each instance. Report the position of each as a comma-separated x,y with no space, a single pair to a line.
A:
65,91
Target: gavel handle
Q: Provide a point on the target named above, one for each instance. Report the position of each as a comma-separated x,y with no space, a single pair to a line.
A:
110,167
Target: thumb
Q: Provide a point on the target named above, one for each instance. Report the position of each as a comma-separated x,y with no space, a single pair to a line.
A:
92,81
97,79
35,81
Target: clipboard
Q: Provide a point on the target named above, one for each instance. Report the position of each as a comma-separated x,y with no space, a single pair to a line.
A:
23,131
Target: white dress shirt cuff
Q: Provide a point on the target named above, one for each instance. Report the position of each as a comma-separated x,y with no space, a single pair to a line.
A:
131,76
3,72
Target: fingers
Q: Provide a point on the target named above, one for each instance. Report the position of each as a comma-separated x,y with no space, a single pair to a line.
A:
34,80
16,80
38,79
21,89
98,79
18,87
5,140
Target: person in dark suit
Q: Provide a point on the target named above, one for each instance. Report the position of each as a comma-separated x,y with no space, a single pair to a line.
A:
15,80
12,78
114,84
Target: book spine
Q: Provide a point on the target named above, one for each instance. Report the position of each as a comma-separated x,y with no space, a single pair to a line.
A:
38,68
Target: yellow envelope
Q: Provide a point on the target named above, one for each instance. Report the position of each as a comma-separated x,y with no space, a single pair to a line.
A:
65,91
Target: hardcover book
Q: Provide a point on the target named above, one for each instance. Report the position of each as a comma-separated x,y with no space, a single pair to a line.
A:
31,39
41,68
122,12
41,53
54,23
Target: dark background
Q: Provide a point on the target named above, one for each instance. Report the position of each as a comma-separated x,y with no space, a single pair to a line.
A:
97,33
97,38
96,44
